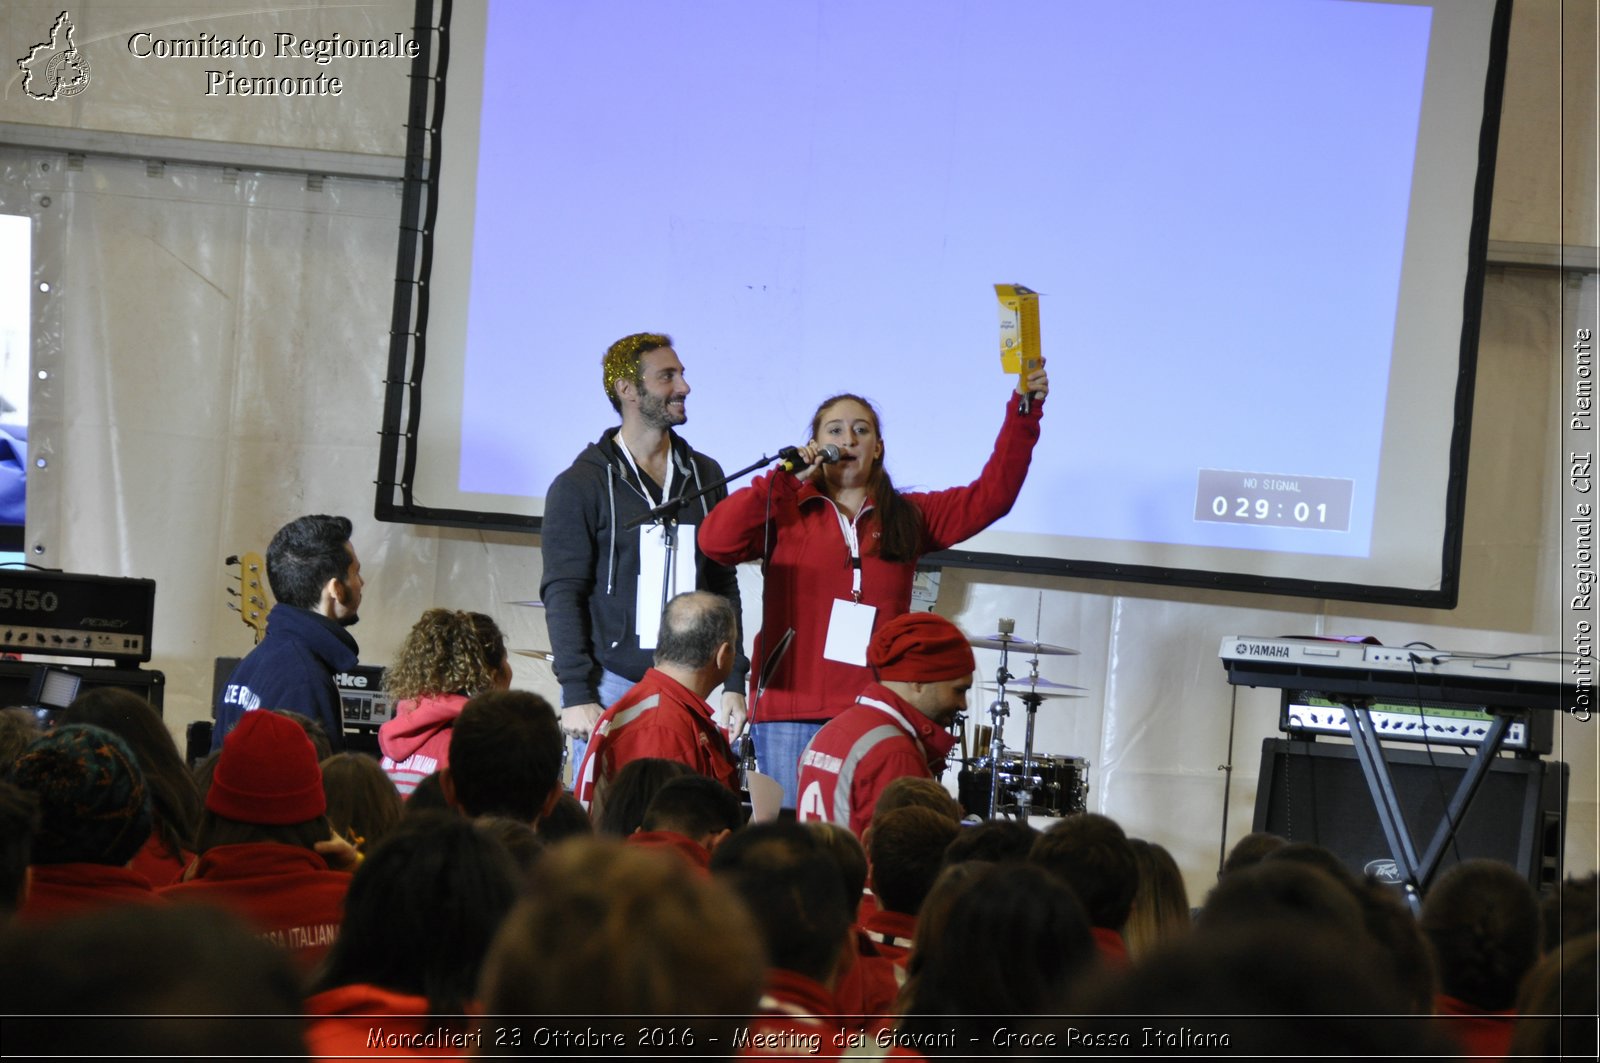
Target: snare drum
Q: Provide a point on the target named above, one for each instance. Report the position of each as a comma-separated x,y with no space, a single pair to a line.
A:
1055,786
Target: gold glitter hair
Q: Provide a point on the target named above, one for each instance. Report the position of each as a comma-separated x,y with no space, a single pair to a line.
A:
623,361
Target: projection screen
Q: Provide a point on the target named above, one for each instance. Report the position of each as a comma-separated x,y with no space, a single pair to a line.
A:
1257,228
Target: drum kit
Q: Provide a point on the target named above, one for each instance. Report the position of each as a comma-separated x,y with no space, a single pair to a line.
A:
997,781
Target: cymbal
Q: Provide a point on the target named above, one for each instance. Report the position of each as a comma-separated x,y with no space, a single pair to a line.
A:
534,602
1011,642
1021,683
1040,692
543,655
1039,687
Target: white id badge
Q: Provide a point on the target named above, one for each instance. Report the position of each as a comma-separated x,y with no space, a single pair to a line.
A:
849,631
660,577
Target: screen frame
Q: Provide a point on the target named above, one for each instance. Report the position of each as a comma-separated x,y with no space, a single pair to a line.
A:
396,502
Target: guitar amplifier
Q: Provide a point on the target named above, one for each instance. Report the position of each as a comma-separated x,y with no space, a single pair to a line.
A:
1307,714
62,614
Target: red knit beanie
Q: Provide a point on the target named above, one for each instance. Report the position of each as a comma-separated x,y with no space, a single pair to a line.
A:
268,773
920,648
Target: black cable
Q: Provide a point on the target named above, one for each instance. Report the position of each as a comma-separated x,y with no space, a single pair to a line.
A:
1427,746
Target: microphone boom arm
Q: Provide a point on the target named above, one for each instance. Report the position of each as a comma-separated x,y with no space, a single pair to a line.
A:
669,509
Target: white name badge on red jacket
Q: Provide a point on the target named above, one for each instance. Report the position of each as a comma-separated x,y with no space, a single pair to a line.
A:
849,631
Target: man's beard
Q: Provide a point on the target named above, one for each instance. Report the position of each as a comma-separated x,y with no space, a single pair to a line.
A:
653,409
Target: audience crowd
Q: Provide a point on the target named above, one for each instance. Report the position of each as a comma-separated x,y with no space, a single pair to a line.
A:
281,900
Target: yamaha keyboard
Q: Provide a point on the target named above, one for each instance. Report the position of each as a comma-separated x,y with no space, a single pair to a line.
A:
1399,674
1365,681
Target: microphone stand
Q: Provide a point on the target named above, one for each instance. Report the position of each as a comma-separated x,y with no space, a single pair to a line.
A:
747,739
669,508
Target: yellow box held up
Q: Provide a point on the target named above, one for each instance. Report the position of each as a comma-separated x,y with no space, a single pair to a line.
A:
1019,330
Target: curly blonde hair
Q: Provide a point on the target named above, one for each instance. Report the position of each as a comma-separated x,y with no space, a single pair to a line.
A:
447,651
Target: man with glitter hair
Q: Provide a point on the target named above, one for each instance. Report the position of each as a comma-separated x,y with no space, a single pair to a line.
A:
601,615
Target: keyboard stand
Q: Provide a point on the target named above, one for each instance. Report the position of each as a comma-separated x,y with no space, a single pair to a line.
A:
1417,874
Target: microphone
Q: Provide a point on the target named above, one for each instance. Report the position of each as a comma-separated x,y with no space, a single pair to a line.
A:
789,458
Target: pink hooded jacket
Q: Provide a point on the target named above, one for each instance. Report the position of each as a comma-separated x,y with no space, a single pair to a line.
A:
416,743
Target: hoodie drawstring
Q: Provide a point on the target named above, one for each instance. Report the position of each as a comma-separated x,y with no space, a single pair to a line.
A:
611,559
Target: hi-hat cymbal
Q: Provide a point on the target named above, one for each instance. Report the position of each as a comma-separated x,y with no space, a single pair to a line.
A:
1024,687
1016,645
1054,690
543,655
1022,683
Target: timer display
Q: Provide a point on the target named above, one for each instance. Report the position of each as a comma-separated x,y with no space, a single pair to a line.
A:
1277,500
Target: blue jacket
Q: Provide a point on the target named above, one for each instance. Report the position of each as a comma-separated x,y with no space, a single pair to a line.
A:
292,668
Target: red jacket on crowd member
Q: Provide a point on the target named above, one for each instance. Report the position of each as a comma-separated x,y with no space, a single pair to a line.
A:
1111,947
868,981
797,1016
368,1021
158,864
416,743
810,565
57,890
1481,1034
288,893
867,905
679,845
855,756
891,934
658,717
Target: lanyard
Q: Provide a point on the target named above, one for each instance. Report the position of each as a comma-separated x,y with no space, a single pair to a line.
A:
853,541
666,484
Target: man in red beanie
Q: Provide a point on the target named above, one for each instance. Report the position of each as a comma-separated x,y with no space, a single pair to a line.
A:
265,813
898,725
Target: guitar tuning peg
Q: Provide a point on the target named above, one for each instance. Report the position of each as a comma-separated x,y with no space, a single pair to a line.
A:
231,559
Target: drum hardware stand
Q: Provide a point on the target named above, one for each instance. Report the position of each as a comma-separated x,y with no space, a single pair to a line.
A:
1031,700
998,711
1022,780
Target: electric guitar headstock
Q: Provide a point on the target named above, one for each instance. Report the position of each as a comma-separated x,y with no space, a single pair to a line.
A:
252,605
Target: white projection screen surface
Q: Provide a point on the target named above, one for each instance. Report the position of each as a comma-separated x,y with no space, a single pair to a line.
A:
1256,226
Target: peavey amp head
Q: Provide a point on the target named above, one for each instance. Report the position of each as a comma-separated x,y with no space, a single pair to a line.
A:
67,615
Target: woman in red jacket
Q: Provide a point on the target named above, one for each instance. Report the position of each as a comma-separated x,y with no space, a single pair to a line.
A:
840,547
